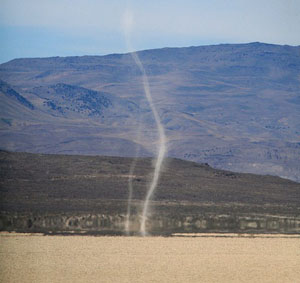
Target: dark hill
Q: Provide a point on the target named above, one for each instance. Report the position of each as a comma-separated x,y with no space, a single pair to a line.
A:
9,92
40,186
63,98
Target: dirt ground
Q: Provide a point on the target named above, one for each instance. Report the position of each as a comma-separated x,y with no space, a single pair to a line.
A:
38,258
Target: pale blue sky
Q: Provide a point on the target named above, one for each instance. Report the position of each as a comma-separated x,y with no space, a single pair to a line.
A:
40,28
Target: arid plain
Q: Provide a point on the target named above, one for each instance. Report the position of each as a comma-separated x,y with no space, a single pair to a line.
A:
210,258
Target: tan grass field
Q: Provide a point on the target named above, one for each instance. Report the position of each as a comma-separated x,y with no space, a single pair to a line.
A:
37,258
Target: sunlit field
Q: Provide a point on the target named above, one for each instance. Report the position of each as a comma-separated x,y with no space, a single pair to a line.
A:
38,258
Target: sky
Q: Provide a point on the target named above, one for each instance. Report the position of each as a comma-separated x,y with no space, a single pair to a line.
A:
44,28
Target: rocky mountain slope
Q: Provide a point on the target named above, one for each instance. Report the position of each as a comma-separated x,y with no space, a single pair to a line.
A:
233,106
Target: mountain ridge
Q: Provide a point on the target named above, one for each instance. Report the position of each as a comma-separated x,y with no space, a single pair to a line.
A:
118,54
234,106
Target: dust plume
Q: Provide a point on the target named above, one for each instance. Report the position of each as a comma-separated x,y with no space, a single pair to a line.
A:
127,25
130,182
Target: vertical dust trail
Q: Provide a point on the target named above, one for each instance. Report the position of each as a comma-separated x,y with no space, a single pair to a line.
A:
161,144
128,22
130,183
130,193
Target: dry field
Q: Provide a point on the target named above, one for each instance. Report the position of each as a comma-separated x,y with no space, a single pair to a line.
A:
37,258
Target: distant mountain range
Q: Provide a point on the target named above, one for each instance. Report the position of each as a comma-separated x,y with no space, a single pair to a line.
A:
233,106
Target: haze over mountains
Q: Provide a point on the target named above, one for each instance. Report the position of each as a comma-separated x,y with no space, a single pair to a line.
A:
233,106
